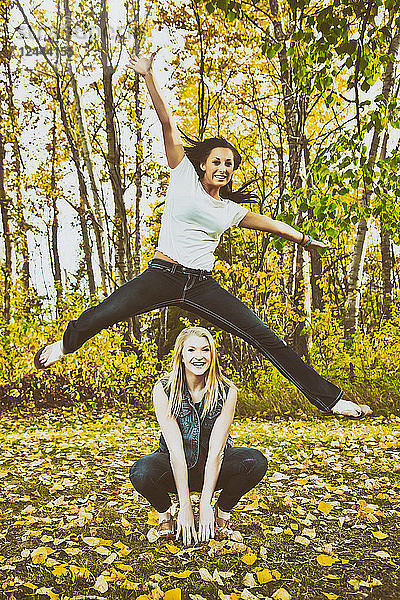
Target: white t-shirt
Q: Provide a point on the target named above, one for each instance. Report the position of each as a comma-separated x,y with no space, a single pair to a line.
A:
193,221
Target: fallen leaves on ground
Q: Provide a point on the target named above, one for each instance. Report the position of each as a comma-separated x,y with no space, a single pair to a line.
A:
323,523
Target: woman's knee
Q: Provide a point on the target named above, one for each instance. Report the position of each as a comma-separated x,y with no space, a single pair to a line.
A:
257,464
139,475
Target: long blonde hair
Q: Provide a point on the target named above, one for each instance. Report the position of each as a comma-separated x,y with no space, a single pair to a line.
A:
176,379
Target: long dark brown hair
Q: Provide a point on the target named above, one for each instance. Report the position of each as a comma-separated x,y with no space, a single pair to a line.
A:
198,153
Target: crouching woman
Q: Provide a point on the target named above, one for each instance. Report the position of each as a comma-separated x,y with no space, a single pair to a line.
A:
195,405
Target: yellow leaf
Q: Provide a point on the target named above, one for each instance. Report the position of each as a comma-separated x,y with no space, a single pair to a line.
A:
123,567
172,548
294,526
372,519
252,506
276,574
234,596
123,549
60,569
300,539
249,581
110,558
310,533
264,576
39,555
325,507
72,551
48,592
330,596
181,575
325,560
101,584
281,594
129,585
152,518
174,594
124,522
379,535
77,571
91,541
143,597
205,574
102,550
249,558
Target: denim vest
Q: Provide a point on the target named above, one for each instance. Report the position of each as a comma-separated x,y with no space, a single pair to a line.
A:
195,430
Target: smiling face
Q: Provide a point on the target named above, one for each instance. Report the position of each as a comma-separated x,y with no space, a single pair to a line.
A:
218,167
196,355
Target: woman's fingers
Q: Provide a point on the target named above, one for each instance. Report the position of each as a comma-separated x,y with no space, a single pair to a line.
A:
194,533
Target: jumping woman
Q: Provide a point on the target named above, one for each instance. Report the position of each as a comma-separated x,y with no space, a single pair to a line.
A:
195,404
200,205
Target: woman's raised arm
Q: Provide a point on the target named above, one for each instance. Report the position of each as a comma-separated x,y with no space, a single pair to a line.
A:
172,139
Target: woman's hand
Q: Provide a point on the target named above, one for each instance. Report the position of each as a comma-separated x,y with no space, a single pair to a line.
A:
185,525
206,522
140,64
314,244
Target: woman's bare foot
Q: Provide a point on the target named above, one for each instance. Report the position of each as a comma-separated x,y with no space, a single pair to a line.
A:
49,355
351,409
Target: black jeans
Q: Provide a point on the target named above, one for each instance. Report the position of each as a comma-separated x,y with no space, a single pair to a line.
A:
241,470
165,284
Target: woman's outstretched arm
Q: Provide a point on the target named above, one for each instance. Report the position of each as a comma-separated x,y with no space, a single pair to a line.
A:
173,438
255,221
218,437
172,139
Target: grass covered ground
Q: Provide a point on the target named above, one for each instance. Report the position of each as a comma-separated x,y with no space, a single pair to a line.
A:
324,524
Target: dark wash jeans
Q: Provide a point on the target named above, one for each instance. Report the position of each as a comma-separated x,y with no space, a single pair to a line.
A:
241,470
165,284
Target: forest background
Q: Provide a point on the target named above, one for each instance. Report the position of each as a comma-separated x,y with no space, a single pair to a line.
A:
307,91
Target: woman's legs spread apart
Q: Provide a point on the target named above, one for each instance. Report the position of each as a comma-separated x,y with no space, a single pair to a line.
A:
211,301
241,470
152,289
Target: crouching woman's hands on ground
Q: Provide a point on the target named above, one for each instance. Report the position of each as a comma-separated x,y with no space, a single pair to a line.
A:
185,525
206,522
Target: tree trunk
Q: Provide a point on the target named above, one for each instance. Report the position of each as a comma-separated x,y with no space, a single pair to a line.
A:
83,200
123,254
97,218
5,218
386,254
294,105
55,262
357,265
22,227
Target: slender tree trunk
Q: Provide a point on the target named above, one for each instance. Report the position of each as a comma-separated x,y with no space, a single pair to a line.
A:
138,143
294,105
16,172
386,255
387,267
357,265
5,219
123,253
83,195
83,202
55,262
97,218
